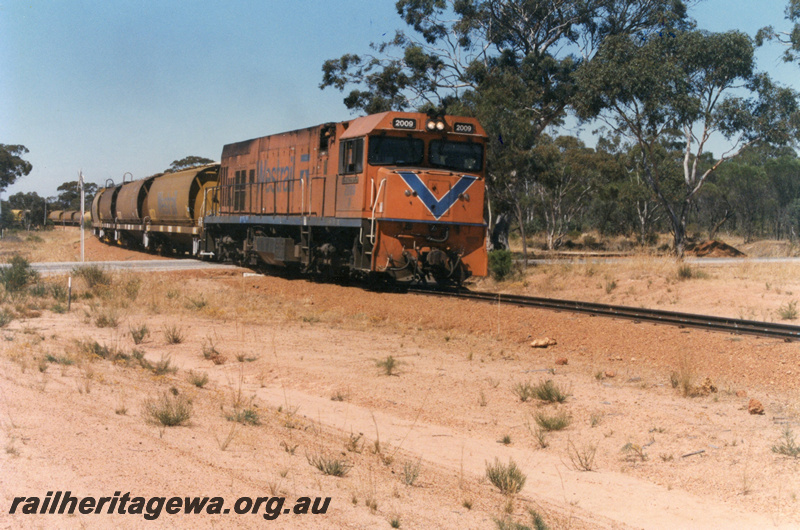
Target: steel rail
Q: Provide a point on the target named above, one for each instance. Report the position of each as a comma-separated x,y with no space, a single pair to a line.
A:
686,320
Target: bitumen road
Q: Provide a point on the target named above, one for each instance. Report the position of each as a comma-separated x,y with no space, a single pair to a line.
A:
47,269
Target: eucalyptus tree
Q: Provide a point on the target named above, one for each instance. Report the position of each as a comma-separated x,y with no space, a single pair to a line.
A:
790,38
12,165
69,197
570,172
512,63
683,88
187,162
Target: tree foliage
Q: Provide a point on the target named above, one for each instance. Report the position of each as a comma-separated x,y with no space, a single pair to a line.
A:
678,90
790,38
520,66
187,162
12,165
456,45
28,201
514,64
69,197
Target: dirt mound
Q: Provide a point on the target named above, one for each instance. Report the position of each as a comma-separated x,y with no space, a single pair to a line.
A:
714,249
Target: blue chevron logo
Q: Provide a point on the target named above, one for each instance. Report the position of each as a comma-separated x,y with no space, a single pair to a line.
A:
437,207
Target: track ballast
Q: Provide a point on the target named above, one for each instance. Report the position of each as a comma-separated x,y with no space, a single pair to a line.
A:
637,314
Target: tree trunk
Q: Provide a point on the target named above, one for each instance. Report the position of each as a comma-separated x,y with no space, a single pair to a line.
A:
679,237
521,221
499,235
714,229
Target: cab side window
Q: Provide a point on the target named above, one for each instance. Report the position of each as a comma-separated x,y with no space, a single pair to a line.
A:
351,156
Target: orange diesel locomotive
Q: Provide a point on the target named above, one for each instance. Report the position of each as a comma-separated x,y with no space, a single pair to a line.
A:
397,194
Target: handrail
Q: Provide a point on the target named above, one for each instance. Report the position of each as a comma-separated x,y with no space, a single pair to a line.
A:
311,195
374,205
127,173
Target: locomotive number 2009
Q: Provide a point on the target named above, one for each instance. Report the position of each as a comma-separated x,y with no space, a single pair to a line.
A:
404,123
465,128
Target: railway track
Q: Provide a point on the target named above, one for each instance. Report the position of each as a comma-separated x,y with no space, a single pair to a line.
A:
637,314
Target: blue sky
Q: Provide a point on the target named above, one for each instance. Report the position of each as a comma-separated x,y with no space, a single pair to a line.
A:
129,86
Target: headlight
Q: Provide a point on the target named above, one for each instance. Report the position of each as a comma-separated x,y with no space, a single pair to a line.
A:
431,125
439,125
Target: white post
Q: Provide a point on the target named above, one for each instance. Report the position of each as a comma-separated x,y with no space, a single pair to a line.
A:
83,207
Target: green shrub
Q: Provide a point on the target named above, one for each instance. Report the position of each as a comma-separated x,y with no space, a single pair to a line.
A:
335,467
550,392
523,390
788,311
5,317
92,347
544,390
139,332
164,366
509,479
59,292
39,290
247,416
555,422
106,320
787,445
132,287
196,304
93,275
18,274
168,410
501,264
685,272
411,472
388,365
173,334
198,379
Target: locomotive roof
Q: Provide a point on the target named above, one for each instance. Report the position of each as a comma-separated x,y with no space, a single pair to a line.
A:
362,126
383,121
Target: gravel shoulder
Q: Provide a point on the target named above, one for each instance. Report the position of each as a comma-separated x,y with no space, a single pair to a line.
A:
303,357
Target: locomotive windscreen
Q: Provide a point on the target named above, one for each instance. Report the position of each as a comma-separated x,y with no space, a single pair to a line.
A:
396,151
460,156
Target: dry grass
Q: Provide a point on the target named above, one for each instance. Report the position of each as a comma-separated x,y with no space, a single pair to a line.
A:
411,472
47,245
556,421
329,465
497,400
167,410
508,478
197,379
787,445
173,334
139,332
582,457
547,391
388,365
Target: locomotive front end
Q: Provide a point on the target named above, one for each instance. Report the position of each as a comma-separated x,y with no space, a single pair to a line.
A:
428,209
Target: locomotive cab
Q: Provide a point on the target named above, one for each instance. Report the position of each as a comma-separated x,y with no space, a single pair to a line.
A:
429,197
